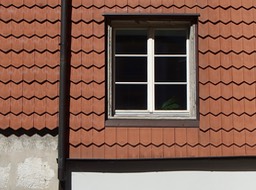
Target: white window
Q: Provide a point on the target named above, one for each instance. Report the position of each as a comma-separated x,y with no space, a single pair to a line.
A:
151,70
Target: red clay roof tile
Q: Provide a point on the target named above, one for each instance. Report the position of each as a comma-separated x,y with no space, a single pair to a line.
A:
169,152
98,3
122,152
168,136
236,15
27,121
250,120
134,3
98,121
75,106
110,136
76,75
119,10
99,152
145,136
249,61
180,152
98,60
14,122
86,122
215,138
204,137
110,3
39,122
238,123
238,107
5,106
86,137
51,121
250,137
157,136
121,3
226,107
133,135
52,106
167,9
239,139
98,137
227,122
225,4
77,17
216,151
133,151
192,136
5,91
87,90
76,3
226,76
122,136
75,137
77,28
28,106
40,106
16,90
75,121
76,90
157,152
204,151
204,121
4,121
180,136
215,119
110,152
88,17
75,152
76,59
145,151
227,138
192,152
166,3
239,150
250,150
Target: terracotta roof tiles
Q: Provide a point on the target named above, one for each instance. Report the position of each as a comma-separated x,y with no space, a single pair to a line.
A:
29,60
29,68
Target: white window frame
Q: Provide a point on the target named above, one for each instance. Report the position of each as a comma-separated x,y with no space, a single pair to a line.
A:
191,112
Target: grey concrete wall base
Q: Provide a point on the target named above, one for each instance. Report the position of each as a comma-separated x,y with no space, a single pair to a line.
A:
28,162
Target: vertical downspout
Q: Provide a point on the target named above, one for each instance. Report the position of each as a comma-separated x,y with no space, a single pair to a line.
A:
64,89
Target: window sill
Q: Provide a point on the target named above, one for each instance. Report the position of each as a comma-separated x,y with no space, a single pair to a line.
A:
175,123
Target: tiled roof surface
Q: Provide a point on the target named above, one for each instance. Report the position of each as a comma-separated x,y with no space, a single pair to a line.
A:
29,66
227,84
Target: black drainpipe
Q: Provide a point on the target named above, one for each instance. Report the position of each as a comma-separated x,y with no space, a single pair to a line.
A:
64,89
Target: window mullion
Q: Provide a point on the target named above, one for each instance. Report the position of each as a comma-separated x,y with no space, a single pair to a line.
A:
151,76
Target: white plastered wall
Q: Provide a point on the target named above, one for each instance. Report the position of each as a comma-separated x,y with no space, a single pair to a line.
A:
28,162
185,180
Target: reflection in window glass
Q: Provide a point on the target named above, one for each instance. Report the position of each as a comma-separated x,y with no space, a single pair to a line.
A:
131,41
131,97
131,69
170,41
169,69
170,97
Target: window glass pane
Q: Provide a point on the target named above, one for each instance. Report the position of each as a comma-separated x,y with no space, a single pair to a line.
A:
131,69
169,69
131,41
170,41
170,97
131,97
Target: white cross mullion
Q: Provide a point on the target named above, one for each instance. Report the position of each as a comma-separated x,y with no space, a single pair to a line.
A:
151,76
